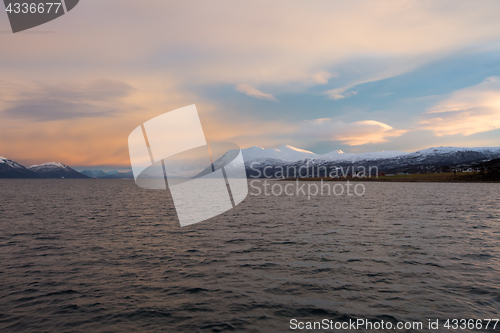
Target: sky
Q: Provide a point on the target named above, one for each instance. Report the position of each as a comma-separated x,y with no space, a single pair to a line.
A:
320,75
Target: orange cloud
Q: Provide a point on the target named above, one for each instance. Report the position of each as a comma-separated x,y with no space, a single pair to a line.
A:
78,122
166,47
467,111
249,90
278,42
352,134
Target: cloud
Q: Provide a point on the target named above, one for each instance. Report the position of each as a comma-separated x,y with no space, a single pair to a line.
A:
466,111
290,44
232,42
49,102
323,77
84,140
339,93
371,68
249,90
352,134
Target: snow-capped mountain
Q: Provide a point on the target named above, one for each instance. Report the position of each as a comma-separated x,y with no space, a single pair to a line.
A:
438,157
55,170
257,159
455,154
292,154
11,169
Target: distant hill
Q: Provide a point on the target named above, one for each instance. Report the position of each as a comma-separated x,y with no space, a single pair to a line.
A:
56,170
93,173
11,169
108,175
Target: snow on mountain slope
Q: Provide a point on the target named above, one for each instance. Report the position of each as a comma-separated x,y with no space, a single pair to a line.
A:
450,155
286,155
11,163
55,170
274,156
51,165
292,154
350,157
48,167
455,150
431,159
11,169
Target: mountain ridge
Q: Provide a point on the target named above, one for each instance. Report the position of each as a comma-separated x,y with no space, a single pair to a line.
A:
434,159
12,169
55,170
298,154
257,159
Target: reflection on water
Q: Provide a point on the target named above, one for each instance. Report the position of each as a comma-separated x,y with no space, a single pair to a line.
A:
107,256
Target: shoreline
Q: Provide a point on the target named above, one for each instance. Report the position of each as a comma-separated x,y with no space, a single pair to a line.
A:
448,177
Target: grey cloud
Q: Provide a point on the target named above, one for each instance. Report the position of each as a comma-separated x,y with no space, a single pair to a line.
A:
48,102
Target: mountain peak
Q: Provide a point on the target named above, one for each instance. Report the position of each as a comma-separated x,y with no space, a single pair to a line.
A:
50,164
55,170
11,169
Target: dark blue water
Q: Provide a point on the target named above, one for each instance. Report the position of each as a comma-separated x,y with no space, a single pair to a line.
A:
107,256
